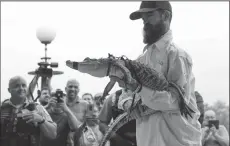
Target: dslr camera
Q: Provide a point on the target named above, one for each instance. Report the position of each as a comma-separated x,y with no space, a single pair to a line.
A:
59,94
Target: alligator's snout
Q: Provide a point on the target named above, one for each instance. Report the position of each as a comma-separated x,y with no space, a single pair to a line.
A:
72,64
90,66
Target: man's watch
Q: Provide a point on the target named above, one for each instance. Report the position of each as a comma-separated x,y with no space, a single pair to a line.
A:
43,121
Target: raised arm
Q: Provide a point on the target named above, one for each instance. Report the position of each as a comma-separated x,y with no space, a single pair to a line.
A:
73,122
32,86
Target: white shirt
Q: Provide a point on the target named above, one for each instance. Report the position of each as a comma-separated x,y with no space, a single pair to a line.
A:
167,127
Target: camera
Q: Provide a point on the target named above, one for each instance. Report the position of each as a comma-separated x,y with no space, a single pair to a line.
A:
213,122
58,94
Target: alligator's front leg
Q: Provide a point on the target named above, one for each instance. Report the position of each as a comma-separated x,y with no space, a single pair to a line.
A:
108,88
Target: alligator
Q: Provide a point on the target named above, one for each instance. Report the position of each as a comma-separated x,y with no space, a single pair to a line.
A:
129,71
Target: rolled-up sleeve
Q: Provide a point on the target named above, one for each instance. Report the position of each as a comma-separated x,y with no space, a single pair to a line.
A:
179,72
42,111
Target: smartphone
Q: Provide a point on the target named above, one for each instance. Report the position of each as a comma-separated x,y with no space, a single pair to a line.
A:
213,122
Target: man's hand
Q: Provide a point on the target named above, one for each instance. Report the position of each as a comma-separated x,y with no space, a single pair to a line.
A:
32,117
120,75
62,104
207,133
213,130
52,102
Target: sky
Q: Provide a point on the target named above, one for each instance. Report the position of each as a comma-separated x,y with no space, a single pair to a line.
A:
94,29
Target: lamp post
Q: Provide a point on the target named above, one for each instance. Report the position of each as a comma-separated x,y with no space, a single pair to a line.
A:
46,36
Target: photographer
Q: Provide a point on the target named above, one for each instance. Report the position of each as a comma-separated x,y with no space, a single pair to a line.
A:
22,120
63,117
213,134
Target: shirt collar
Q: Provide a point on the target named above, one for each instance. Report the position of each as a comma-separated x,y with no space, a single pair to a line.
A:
162,42
26,103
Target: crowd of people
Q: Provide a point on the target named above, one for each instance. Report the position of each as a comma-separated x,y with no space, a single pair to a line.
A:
78,121
63,118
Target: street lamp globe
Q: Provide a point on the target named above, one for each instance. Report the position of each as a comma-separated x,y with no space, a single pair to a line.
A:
45,35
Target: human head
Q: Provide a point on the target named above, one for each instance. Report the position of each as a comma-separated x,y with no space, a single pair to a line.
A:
72,89
98,100
156,16
18,88
209,115
45,96
97,96
93,115
88,97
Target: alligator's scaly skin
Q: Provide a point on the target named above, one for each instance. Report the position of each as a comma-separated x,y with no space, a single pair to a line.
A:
145,75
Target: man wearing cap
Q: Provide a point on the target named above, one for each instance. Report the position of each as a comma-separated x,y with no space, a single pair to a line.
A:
166,127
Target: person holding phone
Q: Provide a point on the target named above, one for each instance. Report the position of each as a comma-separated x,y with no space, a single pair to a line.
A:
213,134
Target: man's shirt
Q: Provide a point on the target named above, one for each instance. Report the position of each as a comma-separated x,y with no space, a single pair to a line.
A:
63,130
167,127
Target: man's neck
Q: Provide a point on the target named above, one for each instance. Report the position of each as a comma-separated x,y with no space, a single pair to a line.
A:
70,101
56,110
17,101
163,34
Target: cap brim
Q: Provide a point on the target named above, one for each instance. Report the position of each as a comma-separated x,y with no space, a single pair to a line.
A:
137,14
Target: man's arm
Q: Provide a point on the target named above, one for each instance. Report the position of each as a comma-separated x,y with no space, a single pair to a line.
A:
72,120
205,135
32,86
179,72
48,128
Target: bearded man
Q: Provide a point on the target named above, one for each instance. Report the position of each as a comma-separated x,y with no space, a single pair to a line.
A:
166,127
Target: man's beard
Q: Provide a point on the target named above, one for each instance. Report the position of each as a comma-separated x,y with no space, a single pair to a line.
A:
152,33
